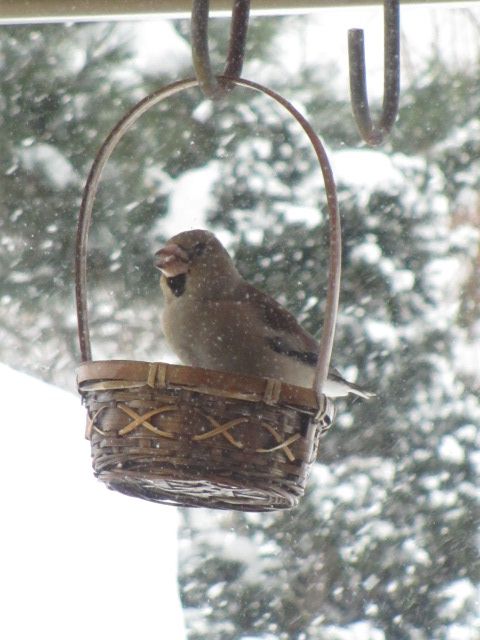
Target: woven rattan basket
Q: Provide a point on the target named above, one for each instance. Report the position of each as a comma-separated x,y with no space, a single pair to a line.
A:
188,436
195,437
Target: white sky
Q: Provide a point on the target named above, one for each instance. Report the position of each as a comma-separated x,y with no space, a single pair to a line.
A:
77,560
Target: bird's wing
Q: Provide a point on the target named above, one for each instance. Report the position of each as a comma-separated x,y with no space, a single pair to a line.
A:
282,333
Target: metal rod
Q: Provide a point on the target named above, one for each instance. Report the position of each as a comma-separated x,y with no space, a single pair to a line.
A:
375,133
29,11
200,48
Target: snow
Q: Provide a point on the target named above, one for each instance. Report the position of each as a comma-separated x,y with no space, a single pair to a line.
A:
451,451
78,561
370,253
366,170
189,201
457,595
362,630
414,553
153,43
461,632
385,332
306,214
57,169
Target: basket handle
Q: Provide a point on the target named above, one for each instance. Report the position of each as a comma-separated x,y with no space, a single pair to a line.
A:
104,153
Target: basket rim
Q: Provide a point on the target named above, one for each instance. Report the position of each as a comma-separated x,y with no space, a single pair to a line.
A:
91,374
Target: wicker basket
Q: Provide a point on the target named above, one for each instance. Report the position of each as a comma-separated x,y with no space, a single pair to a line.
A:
194,437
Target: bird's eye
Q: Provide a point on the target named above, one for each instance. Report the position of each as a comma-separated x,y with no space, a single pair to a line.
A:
198,249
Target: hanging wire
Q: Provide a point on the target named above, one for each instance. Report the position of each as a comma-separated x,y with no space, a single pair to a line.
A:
375,134
209,84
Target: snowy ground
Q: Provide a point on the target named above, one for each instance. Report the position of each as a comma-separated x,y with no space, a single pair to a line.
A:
77,560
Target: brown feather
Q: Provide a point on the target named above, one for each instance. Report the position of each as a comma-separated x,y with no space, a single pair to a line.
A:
276,317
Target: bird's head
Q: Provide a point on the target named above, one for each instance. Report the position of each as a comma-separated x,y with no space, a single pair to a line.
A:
197,262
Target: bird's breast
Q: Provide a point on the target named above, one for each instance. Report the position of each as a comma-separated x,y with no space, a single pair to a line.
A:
200,333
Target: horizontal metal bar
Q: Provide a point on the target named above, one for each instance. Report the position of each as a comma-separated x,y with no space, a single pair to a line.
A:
26,11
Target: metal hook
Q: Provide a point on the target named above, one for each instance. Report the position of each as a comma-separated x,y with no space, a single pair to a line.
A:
209,84
374,134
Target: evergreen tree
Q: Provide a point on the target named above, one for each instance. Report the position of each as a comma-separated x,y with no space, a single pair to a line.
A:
385,543
63,88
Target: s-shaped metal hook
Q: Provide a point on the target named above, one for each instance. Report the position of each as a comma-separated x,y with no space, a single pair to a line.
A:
209,84
375,134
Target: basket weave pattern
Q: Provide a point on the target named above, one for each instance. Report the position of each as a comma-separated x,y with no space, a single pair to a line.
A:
193,437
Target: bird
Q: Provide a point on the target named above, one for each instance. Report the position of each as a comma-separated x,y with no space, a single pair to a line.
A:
214,319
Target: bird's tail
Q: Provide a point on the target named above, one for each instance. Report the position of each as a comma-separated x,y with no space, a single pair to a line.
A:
344,387
360,391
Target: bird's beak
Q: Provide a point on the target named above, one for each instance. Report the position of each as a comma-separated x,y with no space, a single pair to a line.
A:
172,260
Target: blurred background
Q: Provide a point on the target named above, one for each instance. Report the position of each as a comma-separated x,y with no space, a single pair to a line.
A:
385,544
